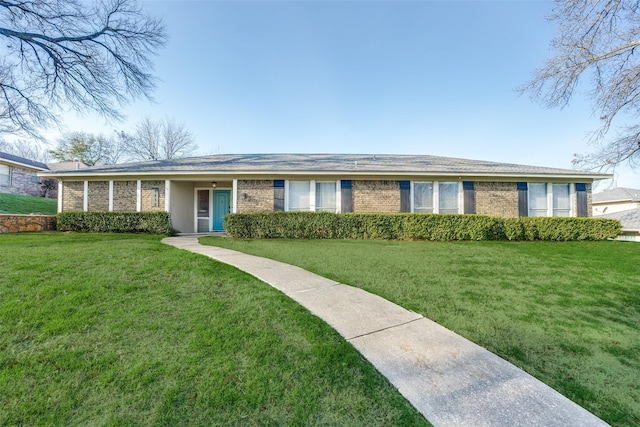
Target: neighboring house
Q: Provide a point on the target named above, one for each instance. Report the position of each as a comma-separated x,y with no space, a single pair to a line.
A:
198,192
615,200
19,175
630,220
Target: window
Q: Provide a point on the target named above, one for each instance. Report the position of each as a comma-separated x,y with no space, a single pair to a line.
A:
326,196
299,195
448,197
423,197
5,175
436,197
537,199
561,200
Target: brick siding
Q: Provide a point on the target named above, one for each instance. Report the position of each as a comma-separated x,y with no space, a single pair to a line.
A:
259,195
148,196
497,199
124,195
376,196
98,196
72,195
20,182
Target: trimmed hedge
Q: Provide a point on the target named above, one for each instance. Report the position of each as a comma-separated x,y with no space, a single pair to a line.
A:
405,226
116,222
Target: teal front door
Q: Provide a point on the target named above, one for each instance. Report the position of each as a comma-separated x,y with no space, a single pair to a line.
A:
221,207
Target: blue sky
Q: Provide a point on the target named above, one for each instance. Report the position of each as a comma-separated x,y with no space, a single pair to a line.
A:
406,77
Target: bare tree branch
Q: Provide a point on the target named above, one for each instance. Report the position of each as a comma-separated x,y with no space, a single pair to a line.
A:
160,140
69,53
598,40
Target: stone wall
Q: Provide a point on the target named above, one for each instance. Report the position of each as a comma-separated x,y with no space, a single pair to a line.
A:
152,196
497,199
21,182
18,223
124,195
72,195
376,196
98,198
259,195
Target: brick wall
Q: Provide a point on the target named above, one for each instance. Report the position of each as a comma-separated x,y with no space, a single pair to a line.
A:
17,223
124,195
149,196
98,196
376,196
72,195
259,195
20,182
497,199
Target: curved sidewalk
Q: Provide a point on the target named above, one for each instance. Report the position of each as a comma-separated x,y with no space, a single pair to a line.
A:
449,379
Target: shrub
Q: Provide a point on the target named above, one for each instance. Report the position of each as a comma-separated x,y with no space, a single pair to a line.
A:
116,222
405,226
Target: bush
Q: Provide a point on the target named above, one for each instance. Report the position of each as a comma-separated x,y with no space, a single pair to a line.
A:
116,222
405,226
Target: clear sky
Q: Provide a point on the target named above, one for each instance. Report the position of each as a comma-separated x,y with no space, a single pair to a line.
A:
398,77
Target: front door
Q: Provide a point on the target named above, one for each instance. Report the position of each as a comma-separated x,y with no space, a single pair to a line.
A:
221,207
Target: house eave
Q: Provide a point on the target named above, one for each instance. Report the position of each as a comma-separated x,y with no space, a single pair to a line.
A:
22,165
206,174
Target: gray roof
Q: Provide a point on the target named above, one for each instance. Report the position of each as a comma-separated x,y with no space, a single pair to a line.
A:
630,219
24,161
618,194
383,164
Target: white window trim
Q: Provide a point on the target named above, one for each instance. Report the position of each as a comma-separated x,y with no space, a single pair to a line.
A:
234,196
312,194
9,169
436,196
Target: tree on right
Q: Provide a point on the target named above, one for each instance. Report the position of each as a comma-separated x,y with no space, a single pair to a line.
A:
597,41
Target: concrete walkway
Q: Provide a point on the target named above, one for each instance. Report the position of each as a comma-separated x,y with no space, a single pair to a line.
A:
449,379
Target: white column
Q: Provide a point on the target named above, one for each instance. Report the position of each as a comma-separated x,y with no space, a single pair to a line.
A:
60,189
550,199
436,197
110,195
167,195
460,197
85,197
138,196
234,196
338,196
573,201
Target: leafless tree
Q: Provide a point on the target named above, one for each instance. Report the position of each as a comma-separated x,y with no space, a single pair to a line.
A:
32,150
160,140
599,40
59,54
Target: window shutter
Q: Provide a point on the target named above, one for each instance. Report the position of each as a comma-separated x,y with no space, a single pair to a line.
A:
523,199
278,195
581,199
469,197
346,196
405,196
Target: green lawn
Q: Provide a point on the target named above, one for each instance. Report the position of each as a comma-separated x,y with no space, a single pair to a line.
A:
568,313
123,330
17,204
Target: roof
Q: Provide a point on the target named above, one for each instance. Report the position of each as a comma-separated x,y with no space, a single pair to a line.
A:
630,219
67,166
618,194
326,164
21,161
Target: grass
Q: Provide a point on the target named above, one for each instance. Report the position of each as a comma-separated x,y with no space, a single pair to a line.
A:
123,330
18,204
568,313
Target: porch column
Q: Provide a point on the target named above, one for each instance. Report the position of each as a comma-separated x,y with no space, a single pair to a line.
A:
138,195
167,195
60,187
110,195
85,197
234,197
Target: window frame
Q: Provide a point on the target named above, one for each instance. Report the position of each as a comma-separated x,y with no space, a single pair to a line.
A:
8,175
550,209
436,195
312,195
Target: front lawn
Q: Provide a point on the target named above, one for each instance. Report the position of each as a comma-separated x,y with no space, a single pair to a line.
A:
123,330
568,313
